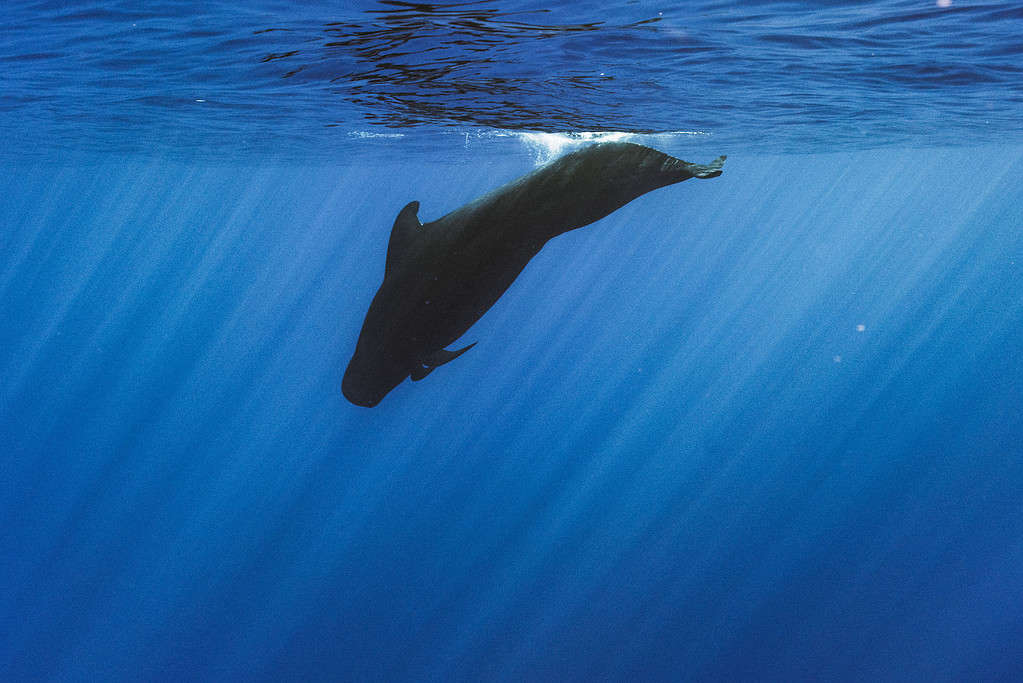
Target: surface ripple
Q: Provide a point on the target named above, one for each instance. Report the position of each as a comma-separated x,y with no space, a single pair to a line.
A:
772,76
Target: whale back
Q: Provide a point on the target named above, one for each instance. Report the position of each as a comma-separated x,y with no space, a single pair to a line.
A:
570,192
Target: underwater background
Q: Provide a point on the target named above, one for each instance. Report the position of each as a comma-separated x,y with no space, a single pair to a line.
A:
760,427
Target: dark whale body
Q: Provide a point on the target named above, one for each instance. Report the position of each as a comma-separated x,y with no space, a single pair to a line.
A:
441,277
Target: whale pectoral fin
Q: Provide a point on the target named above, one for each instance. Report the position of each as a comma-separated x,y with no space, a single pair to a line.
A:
711,170
444,356
419,372
435,360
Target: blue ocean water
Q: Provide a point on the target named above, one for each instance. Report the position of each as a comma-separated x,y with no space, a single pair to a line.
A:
759,427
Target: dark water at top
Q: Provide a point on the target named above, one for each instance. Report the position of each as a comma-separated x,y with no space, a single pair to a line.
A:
311,79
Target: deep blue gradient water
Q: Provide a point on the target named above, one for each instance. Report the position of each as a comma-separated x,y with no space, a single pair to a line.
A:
760,427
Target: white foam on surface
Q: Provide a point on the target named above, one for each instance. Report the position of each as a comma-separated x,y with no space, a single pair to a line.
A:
548,146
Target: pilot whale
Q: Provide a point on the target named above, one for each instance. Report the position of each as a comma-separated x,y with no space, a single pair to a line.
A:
441,277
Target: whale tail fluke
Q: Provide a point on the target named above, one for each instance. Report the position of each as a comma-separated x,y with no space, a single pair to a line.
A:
711,170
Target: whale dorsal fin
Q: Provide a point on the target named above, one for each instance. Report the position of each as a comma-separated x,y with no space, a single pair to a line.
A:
435,360
403,234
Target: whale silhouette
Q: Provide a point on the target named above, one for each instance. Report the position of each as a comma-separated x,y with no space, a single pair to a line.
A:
441,277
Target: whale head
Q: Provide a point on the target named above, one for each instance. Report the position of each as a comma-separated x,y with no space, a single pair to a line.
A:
371,374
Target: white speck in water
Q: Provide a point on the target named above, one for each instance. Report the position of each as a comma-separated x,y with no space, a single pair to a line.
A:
837,359
944,3
861,328
200,100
